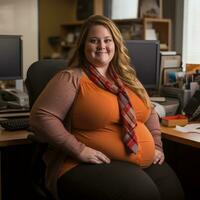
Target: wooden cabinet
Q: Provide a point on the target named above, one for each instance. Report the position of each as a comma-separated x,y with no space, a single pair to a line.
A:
52,14
147,29
162,29
70,33
134,29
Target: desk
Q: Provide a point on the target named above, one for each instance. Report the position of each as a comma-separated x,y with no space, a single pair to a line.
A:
191,139
182,152
8,138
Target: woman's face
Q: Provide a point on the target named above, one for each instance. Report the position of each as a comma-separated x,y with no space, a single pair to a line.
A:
99,46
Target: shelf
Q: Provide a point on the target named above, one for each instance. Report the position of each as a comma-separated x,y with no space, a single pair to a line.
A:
75,23
136,29
125,21
147,28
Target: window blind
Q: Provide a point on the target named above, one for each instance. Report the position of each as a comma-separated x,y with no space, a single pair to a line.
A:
191,32
124,9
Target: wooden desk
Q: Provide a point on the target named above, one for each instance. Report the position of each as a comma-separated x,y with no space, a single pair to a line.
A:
8,138
182,154
191,139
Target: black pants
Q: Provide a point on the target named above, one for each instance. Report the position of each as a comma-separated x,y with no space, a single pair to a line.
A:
120,181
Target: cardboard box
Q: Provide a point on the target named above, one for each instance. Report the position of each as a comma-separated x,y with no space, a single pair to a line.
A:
172,121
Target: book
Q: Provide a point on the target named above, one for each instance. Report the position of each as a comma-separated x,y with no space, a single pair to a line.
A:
172,121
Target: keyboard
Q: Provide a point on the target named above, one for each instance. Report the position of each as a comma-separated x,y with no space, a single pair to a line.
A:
14,124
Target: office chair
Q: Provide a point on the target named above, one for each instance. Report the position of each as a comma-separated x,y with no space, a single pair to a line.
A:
38,75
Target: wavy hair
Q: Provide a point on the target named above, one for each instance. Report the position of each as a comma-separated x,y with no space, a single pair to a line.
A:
121,61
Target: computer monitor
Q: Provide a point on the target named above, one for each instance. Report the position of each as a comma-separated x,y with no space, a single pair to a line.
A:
10,57
145,58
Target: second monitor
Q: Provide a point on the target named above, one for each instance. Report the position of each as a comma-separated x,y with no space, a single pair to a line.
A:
145,58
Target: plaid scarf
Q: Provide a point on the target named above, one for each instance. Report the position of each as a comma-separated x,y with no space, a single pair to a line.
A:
126,109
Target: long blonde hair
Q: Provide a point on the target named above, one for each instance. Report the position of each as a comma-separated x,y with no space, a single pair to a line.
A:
121,60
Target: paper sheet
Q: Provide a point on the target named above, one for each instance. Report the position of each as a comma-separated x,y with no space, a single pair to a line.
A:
192,128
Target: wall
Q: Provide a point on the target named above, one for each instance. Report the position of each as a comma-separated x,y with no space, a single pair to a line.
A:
20,18
54,13
173,9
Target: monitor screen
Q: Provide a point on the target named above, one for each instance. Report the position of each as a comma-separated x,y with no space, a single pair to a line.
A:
10,57
145,58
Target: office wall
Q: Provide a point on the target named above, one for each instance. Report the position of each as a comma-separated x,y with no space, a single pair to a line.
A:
173,9
21,18
54,13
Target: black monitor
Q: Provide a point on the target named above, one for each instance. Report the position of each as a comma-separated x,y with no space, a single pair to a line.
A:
145,58
10,57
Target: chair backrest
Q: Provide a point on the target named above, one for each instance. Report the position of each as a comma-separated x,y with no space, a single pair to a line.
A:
38,75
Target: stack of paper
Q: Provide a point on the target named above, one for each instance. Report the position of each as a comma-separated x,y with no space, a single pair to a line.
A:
190,128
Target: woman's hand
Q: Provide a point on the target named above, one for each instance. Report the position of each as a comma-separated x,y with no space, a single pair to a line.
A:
159,157
90,155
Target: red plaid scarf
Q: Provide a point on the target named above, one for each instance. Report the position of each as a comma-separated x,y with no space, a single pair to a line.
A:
126,109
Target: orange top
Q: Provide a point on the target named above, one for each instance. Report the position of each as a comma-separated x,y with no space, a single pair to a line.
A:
99,126
70,98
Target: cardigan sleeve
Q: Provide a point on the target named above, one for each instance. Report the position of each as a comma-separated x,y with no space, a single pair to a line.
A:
153,125
51,108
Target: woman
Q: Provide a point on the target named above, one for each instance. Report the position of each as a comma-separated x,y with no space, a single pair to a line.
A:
104,134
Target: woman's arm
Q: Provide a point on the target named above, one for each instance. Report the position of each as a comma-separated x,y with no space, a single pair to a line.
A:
153,125
52,107
50,111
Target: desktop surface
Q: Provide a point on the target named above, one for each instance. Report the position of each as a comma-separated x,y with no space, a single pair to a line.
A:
10,138
191,139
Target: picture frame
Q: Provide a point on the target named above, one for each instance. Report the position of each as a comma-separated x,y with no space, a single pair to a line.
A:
170,76
169,62
150,8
